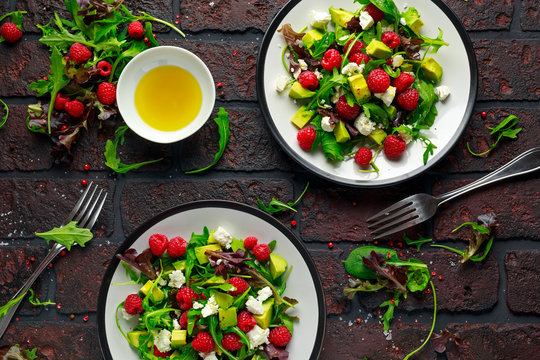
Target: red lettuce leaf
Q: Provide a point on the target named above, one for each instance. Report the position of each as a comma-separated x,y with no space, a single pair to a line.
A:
397,276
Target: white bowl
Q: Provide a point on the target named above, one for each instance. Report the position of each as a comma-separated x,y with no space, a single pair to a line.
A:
151,59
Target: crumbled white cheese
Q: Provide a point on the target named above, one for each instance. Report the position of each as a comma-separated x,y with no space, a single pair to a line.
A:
442,92
318,74
397,61
254,306
281,83
223,237
177,279
210,308
387,96
176,324
364,125
326,125
264,293
338,92
300,43
162,282
320,19
409,72
163,340
303,64
366,21
258,336
126,315
296,74
208,356
386,26
197,305
406,135
402,21
351,69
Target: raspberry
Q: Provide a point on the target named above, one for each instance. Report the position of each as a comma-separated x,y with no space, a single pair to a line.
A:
160,354
280,336
176,247
359,57
184,320
106,93
375,13
250,242
104,67
394,146
10,32
246,321
402,82
306,137
185,298
308,80
356,47
390,39
378,81
331,59
408,99
231,342
240,284
261,252
203,342
79,53
345,111
136,30
363,156
60,102
133,304
74,108
158,244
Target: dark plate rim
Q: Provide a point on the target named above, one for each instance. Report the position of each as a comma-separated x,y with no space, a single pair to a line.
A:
270,32
111,268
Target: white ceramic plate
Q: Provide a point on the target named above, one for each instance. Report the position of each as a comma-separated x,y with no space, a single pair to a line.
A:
241,221
460,75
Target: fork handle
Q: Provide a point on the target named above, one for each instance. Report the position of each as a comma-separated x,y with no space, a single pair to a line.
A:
53,252
525,163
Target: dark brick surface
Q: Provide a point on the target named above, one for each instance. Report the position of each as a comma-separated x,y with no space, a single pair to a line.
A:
522,286
515,202
530,20
28,206
251,146
334,279
507,69
483,15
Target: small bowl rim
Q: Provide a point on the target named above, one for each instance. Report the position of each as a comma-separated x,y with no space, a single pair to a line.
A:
126,105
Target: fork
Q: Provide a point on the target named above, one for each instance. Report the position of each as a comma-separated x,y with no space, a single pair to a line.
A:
85,212
421,207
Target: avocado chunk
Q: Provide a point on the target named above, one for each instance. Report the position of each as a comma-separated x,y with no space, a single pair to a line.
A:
157,294
406,67
200,252
211,239
264,319
178,338
299,92
341,133
377,136
302,116
310,37
223,300
215,280
340,16
278,265
378,49
359,87
431,69
133,337
227,317
237,244
179,265
412,19
176,354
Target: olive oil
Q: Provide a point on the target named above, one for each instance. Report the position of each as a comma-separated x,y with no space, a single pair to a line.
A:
168,98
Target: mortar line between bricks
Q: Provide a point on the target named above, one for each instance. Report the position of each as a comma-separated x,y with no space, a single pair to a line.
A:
503,35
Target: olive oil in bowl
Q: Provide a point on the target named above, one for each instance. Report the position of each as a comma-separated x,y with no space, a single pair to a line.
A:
168,98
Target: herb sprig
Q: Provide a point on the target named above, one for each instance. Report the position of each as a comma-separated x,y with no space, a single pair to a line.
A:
5,117
68,235
276,206
418,243
504,129
37,302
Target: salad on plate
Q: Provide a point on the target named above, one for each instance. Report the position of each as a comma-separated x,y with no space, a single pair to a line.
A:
364,81
214,297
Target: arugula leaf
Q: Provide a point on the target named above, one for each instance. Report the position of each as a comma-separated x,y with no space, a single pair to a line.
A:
389,314
58,79
434,43
320,46
504,129
432,324
31,354
341,33
375,113
5,117
326,86
68,235
364,286
5,308
277,206
222,121
37,302
421,241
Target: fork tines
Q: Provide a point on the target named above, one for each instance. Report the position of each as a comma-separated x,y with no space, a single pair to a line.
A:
88,207
394,218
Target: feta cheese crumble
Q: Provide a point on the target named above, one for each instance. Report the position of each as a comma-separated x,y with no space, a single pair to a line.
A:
364,125
352,69
210,308
264,293
318,74
366,21
402,21
320,19
254,306
177,279
442,92
126,315
258,336
406,135
338,92
163,340
387,96
162,282
326,125
223,237
281,83
176,324
208,356
197,305
303,64
397,61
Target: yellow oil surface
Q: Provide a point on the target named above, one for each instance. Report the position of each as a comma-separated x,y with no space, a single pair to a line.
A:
168,98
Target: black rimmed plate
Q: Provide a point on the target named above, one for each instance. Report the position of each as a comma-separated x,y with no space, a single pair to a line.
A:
460,75
240,220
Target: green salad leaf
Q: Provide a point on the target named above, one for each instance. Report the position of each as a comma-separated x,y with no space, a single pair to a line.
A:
5,117
5,308
37,302
277,206
504,130
419,242
68,235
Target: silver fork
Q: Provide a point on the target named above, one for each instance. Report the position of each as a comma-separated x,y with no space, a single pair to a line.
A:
420,207
85,212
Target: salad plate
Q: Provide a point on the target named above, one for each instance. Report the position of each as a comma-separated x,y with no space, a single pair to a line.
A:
460,76
303,283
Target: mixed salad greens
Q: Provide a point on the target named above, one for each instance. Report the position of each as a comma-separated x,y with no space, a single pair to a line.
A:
214,297
363,79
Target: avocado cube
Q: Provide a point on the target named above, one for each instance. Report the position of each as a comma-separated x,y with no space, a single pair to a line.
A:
431,69
211,239
278,265
359,87
133,337
223,300
412,19
264,319
310,37
179,265
175,355
157,294
299,92
215,280
406,67
302,116
178,338
200,252
377,136
237,244
341,133
378,49
227,317
340,16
